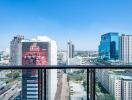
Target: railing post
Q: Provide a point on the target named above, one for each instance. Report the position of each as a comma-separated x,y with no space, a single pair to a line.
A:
87,84
45,75
92,84
40,84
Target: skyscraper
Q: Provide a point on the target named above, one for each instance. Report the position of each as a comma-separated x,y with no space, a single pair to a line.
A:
15,50
39,51
109,46
125,48
70,49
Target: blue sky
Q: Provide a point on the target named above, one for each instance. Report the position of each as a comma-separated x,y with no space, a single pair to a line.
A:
82,21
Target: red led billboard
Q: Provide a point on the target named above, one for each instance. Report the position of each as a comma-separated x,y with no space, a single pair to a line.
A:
34,53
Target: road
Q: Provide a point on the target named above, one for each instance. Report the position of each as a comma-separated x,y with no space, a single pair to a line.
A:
77,91
63,88
15,88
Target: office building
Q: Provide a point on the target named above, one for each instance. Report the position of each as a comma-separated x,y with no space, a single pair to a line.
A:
39,51
125,53
15,50
109,46
70,49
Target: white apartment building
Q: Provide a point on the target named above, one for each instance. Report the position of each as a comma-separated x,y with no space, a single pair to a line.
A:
127,88
125,49
117,84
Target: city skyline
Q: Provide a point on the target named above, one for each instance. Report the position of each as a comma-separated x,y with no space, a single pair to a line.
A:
83,22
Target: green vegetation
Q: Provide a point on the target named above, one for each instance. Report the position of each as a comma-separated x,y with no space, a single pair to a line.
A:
101,88
97,88
13,75
105,97
9,80
85,85
76,76
102,93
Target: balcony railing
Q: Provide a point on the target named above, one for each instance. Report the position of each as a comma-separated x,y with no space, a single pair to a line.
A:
91,78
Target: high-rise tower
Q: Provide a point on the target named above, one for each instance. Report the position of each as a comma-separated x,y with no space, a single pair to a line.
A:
39,51
109,46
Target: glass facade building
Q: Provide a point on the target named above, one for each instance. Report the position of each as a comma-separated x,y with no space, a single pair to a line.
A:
109,46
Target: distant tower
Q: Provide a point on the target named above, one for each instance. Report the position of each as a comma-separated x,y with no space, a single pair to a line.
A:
73,47
70,50
15,50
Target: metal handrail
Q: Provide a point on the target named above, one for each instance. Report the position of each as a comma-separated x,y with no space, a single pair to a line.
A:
68,67
91,71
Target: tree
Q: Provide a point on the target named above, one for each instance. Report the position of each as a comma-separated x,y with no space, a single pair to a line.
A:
16,75
13,75
9,75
